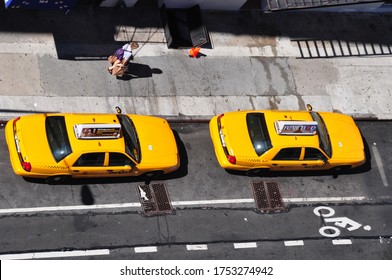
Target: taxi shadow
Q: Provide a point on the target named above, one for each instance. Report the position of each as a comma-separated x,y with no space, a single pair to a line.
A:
310,173
180,172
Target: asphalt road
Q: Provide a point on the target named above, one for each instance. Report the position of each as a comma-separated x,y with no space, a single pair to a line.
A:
213,210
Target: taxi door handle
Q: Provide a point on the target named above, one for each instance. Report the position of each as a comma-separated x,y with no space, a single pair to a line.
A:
274,164
75,170
110,170
304,164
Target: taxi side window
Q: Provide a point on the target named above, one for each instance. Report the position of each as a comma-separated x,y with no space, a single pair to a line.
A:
90,159
313,154
288,154
119,159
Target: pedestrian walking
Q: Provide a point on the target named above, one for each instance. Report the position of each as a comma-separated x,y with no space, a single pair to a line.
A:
117,68
120,59
127,52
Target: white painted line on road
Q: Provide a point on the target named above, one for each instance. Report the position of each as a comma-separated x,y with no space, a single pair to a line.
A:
341,242
54,254
379,165
196,247
68,208
245,245
325,199
148,249
294,243
206,202
178,203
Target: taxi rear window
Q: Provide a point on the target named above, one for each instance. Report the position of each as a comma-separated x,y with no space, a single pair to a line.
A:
258,132
57,135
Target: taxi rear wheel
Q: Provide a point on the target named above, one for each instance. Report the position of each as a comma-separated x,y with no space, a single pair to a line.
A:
257,172
55,180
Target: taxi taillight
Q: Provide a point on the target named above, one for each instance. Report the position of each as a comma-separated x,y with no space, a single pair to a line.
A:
26,166
231,159
15,120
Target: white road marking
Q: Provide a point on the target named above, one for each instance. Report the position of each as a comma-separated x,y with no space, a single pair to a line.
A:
379,165
294,243
54,254
206,202
149,249
325,199
68,208
196,247
245,245
177,203
341,242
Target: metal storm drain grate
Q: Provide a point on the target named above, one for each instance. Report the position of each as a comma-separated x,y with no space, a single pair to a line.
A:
267,196
155,199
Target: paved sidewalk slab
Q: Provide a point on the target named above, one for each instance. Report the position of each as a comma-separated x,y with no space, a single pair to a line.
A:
254,63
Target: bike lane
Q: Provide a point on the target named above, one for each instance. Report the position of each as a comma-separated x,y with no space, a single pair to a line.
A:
45,232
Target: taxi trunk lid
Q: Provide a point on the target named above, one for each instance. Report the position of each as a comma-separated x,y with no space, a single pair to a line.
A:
236,136
32,141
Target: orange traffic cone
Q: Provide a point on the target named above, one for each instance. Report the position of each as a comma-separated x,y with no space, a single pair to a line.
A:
194,52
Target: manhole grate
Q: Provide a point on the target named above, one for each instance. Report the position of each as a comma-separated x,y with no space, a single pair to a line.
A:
267,196
154,199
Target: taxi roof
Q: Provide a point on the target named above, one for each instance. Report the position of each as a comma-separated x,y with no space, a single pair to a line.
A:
278,140
98,144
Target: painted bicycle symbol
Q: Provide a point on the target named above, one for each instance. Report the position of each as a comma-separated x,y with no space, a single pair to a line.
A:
332,231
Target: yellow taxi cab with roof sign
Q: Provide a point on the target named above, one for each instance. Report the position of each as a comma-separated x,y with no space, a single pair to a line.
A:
261,140
59,146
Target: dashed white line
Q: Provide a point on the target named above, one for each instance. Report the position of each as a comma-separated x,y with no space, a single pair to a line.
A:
148,249
245,245
341,242
379,165
54,254
198,247
294,243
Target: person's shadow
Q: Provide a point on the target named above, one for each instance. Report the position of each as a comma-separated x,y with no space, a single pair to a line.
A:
137,70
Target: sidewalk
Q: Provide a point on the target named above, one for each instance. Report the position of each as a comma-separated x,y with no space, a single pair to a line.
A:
255,63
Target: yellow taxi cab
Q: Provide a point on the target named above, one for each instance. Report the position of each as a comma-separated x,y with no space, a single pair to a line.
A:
59,146
262,140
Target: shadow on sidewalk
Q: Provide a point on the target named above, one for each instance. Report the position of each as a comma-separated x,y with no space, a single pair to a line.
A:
138,70
93,34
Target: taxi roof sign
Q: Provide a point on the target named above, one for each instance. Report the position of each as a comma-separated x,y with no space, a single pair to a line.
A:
97,131
296,127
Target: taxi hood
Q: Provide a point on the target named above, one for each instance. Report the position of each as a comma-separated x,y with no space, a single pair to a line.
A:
157,142
346,139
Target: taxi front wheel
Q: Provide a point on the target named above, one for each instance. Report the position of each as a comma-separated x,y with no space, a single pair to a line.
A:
56,180
153,175
340,170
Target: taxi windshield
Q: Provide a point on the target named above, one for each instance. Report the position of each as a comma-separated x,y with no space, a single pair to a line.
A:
57,135
132,145
322,132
